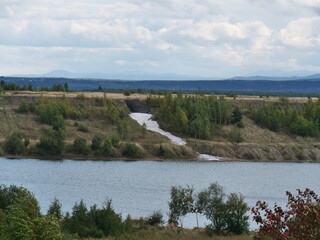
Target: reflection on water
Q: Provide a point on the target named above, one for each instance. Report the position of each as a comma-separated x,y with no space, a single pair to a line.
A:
138,188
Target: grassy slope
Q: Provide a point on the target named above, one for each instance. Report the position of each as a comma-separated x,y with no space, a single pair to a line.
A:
259,144
31,128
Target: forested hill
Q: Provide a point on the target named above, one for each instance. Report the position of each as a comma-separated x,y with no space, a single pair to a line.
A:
227,85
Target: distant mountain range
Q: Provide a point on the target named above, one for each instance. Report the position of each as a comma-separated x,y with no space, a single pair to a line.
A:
139,75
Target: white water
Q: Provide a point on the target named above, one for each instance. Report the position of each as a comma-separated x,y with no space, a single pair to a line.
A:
152,125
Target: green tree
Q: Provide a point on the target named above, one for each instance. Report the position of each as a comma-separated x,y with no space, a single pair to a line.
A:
131,150
181,120
97,142
80,146
115,141
180,204
52,142
236,214
55,209
14,144
212,204
66,87
24,221
236,115
107,147
123,128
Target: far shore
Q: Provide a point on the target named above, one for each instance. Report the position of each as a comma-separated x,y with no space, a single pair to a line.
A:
82,158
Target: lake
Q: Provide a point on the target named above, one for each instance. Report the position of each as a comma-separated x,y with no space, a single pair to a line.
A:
140,187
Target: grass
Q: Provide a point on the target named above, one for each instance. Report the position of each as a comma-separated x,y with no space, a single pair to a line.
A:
30,128
259,144
174,234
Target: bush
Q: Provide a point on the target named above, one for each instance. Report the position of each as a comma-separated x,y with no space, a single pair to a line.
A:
95,223
235,135
97,141
115,140
26,142
14,144
131,150
23,107
52,142
155,219
107,147
300,221
80,146
82,128
127,92
162,151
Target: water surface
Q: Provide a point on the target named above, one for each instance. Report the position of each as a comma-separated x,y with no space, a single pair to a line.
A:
138,188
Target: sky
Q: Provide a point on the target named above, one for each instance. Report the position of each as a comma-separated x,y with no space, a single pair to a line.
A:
207,38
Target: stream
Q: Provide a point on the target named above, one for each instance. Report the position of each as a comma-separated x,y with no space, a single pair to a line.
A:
152,125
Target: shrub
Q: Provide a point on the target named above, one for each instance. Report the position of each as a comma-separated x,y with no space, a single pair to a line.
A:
95,223
115,141
162,151
155,219
131,150
26,142
107,147
235,135
97,141
14,144
127,92
299,221
23,107
82,128
80,146
52,142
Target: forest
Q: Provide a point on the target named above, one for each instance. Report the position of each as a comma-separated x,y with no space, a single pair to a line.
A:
197,115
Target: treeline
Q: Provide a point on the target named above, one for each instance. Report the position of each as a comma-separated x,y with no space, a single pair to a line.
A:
20,216
227,93
15,87
64,87
194,115
301,120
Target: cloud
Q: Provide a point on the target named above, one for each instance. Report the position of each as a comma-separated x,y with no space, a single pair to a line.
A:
303,32
209,37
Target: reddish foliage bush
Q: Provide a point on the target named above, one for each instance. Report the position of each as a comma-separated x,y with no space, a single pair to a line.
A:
300,221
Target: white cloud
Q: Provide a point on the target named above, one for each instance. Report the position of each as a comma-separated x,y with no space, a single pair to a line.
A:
209,37
303,32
